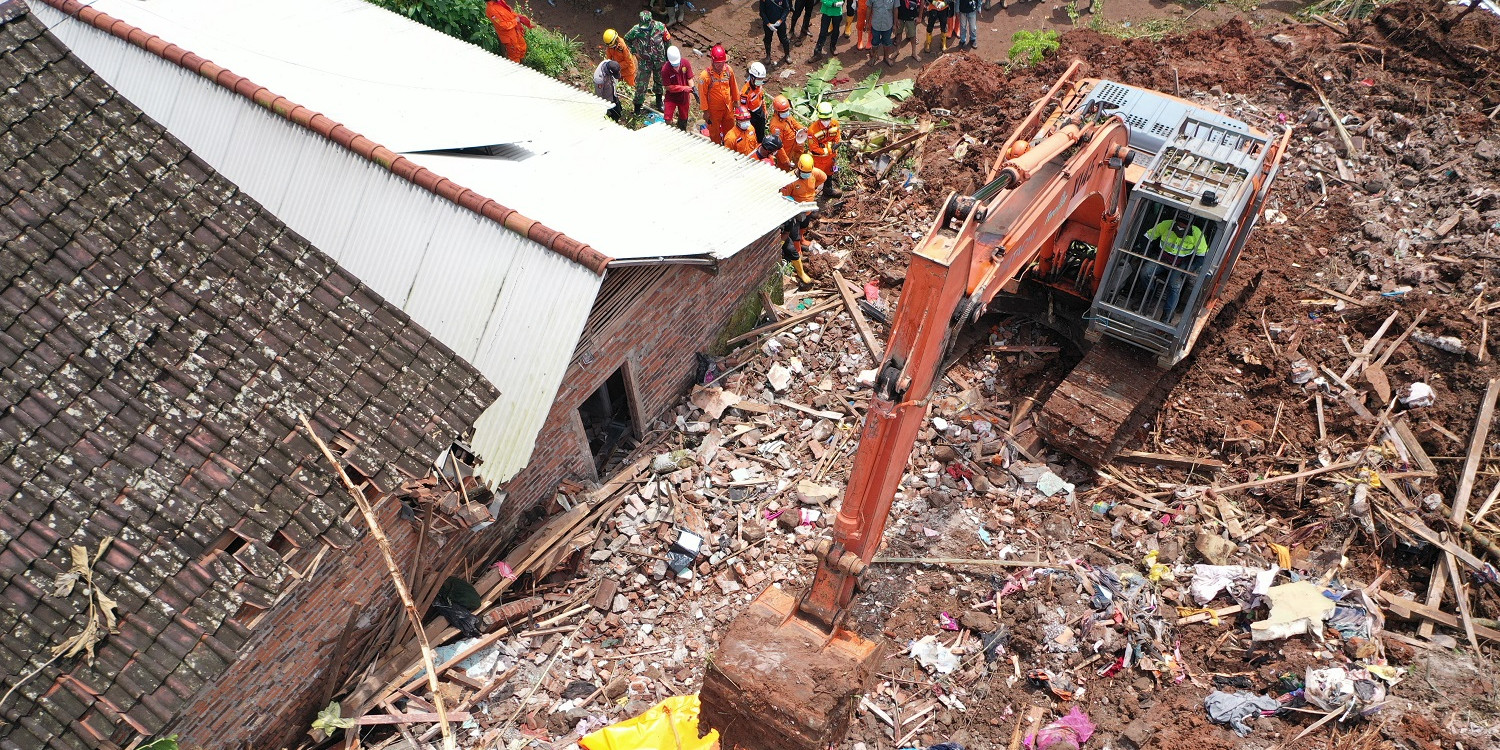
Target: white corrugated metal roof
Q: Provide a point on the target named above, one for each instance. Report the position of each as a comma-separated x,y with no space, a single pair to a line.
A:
656,192
399,83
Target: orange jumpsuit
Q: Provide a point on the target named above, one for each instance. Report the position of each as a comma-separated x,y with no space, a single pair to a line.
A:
717,91
822,143
508,25
741,140
786,129
621,54
806,191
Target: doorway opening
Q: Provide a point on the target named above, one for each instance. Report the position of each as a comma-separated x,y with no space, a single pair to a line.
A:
608,421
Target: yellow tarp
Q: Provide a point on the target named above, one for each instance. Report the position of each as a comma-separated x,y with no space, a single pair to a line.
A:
669,725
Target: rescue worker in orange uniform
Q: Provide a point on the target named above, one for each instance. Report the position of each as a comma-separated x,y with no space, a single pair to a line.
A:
508,25
753,98
810,181
823,137
741,138
616,49
784,126
768,151
717,91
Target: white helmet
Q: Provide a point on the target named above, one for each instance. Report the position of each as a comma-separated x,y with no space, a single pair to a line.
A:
674,56
757,70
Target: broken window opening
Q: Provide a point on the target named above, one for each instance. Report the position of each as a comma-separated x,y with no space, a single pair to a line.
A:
608,421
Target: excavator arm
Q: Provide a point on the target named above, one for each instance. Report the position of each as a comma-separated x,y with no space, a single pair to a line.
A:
788,670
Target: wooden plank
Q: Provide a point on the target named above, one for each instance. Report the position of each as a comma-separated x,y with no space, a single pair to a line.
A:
1169,459
789,322
414,718
1017,348
1477,441
859,317
1413,609
809,410
1288,477
1413,446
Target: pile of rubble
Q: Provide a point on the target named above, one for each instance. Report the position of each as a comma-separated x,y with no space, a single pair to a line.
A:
1277,542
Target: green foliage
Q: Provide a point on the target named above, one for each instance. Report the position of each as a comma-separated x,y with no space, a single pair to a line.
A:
1028,48
546,50
330,719
461,19
551,52
870,100
1073,12
1155,29
161,743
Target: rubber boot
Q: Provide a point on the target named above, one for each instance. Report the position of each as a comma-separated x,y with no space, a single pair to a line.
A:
944,39
927,45
802,277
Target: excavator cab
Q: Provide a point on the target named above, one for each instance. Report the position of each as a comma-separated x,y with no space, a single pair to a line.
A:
1184,226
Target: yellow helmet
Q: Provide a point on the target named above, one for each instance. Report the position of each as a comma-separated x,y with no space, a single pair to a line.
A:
805,163
609,36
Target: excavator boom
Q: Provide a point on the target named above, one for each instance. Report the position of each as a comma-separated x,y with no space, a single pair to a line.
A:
790,669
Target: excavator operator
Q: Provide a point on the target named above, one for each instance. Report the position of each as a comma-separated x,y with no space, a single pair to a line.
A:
1180,251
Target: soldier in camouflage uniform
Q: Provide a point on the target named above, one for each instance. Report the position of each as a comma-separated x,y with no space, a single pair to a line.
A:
647,41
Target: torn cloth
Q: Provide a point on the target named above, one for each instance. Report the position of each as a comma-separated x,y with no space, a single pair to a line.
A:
1234,708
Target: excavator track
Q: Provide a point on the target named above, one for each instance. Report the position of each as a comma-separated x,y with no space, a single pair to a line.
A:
1103,400
1116,387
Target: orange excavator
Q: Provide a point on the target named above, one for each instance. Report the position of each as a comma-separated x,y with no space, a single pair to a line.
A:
1118,208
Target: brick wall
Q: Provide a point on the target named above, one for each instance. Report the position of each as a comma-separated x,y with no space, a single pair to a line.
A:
267,698
683,314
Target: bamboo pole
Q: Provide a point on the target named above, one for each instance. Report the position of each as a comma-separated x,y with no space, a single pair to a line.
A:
399,580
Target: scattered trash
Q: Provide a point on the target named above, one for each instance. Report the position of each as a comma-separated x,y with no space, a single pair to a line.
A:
1417,395
946,621
1050,484
1067,733
1446,343
684,551
1302,371
1335,688
1296,608
673,723
933,655
1235,708
1059,683
1242,582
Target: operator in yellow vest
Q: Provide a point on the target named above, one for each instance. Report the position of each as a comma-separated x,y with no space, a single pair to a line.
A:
1181,248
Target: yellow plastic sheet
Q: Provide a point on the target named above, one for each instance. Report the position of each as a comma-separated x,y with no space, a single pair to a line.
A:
669,725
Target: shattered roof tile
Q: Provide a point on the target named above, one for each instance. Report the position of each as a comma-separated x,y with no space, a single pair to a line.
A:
159,333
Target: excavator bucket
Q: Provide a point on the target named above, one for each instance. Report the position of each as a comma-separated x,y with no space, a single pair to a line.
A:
781,683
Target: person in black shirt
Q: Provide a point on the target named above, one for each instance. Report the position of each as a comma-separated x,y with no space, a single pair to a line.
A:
968,24
907,13
938,14
773,19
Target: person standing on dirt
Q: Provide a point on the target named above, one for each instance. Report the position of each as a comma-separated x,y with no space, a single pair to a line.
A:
805,10
605,77
508,25
717,93
677,78
805,189
784,127
907,14
968,24
857,15
828,28
939,12
753,98
1181,249
773,14
882,30
646,40
616,49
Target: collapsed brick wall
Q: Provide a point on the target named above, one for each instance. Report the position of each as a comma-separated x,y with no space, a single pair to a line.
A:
269,696
684,312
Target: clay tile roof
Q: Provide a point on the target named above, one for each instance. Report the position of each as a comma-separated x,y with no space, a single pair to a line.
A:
401,166
159,333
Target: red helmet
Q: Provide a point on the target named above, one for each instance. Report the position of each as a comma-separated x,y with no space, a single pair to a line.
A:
740,113
718,54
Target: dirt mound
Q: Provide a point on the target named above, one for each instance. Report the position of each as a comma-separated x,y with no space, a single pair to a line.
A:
960,80
1440,41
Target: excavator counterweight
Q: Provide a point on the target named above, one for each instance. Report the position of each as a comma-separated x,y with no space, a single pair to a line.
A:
1066,214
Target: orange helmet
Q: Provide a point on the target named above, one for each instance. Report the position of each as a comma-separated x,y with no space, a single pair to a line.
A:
718,53
781,103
